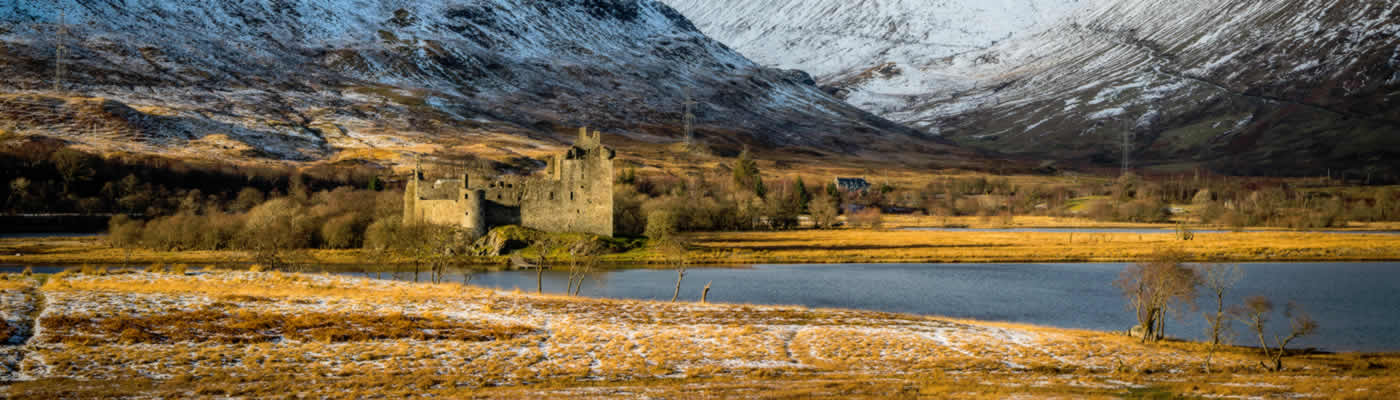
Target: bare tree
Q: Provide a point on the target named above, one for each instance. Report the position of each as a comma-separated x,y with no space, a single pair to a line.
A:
673,253
583,257
73,166
823,210
1154,287
1255,313
19,193
274,231
543,247
1217,279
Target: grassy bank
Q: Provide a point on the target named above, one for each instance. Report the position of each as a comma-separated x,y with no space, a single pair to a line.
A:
854,246
825,246
245,334
1033,221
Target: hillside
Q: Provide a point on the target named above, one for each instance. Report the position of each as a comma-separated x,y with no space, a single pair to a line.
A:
1294,87
313,80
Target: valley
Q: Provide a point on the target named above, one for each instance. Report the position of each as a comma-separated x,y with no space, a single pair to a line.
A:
889,199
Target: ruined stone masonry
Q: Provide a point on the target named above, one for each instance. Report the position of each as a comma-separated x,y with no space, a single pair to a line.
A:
575,194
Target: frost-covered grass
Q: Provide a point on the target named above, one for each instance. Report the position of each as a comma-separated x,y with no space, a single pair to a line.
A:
249,334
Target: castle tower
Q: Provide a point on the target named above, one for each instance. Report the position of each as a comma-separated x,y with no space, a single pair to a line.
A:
473,210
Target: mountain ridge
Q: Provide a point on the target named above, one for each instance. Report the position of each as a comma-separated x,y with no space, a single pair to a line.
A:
308,79
1291,87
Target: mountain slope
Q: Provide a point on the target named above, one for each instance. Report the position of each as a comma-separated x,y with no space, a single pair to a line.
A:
856,46
310,79
1291,87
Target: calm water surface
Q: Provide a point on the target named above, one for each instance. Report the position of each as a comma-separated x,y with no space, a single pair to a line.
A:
1357,304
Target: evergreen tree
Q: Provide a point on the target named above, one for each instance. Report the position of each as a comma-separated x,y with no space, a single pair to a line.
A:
747,175
803,197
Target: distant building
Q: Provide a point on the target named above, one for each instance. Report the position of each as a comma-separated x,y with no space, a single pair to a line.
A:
574,195
852,184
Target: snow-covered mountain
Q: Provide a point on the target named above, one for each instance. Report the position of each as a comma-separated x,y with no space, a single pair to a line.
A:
859,46
1287,87
306,79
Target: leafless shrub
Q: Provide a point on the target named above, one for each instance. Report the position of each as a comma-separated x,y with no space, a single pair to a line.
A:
824,211
870,218
583,258
673,253
1155,287
1217,279
273,230
1255,312
345,231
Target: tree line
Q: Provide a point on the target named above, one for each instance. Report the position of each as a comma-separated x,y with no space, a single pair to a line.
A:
39,175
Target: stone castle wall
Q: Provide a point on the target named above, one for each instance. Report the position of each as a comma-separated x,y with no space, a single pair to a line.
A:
574,195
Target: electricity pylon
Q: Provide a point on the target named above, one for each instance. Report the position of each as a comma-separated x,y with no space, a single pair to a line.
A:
60,52
689,120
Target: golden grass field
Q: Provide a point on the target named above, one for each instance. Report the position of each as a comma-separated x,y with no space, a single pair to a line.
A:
268,334
884,246
841,246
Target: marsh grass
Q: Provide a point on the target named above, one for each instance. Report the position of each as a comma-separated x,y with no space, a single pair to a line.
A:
843,246
837,246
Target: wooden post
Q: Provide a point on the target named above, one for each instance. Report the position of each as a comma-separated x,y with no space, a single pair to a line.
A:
680,275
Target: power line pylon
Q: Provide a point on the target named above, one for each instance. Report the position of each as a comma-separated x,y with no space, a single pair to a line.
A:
1127,151
689,120
61,52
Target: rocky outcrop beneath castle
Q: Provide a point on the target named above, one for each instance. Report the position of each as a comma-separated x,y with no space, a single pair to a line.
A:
504,240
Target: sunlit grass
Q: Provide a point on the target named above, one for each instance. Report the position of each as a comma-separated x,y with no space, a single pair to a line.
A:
937,246
260,334
841,246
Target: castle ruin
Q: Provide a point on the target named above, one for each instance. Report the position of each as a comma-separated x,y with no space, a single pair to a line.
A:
575,194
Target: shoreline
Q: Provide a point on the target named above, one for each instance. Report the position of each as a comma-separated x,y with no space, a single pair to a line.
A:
845,246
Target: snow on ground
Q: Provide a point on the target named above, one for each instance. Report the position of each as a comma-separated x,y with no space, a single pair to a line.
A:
558,336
